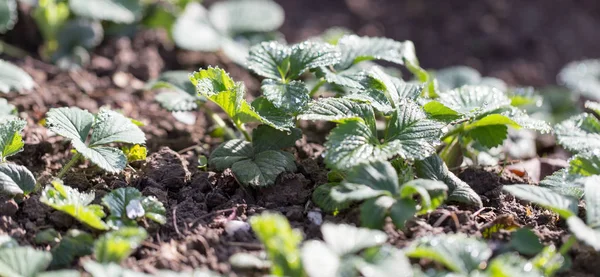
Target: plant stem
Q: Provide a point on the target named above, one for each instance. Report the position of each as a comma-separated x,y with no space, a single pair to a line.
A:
241,128
12,51
317,87
454,131
217,120
68,166
567,245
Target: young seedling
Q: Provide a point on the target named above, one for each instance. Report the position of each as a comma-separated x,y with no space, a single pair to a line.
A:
115,246
105,128
348,251
281,243
14,78
377,185
479,117
257,163
229,26
465,256
581,77
127,205
14,179
215,85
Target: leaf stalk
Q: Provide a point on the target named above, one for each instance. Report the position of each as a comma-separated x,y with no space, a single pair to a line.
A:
68,166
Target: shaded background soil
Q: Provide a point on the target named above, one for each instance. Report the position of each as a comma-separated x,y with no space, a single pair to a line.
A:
522,42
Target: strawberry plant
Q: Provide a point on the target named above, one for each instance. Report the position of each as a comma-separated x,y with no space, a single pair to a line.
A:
479,117
14,179
229,26
377,185
104,128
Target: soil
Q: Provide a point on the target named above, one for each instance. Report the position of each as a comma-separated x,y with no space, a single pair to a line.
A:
522,43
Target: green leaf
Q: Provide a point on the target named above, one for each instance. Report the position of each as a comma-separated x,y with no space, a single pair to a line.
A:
73,123
525,121
272,116
111,127
267,59
264,168
281,243
425,189
323,199
580,133
230,152
549,260
338,110
115,246
277,61
564,183
347,78
489,136
387,261
15,179
7,241
562,205
7,110
154,209
118,11
178,93
592,201
135,153
435,169
470,101
319,260
379,175
60,273
345,239
456,252
8,15
593,106
403,210
14,78
108,158
246,16
265,138
117,201
74,203
457,76
77,33
75,244
216,85
289,97
511,264
11,141
409,135
355,49
585,164
526,242
23,261
96,269
385,92
583,232
374,211
193,31
436,110
582,77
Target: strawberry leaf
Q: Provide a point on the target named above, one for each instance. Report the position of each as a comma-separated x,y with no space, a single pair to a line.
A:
193,31
74,203
289,97
23,261
14,78
580,133
355,49
16,180
115,246
582,77
564,183
8,15
434,168
265,138
118,11
562,205
11,141
177,92
281,62
338,110
246,16
456,252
